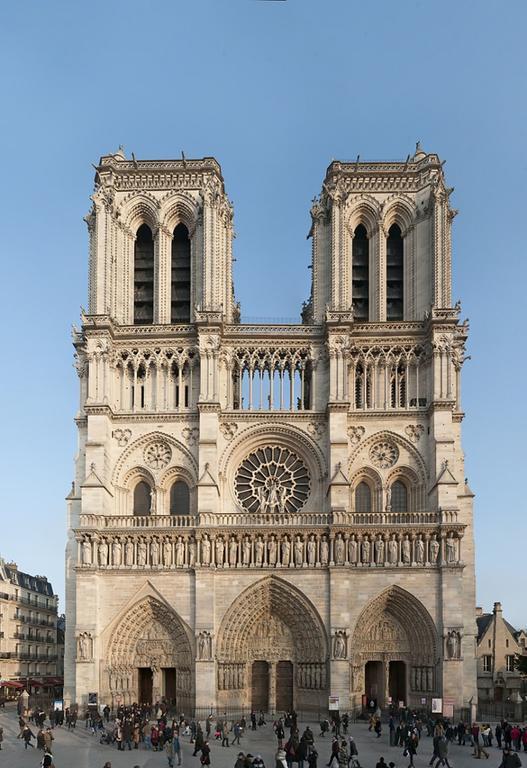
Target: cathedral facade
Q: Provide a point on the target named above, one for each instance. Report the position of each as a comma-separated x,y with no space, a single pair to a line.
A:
269,515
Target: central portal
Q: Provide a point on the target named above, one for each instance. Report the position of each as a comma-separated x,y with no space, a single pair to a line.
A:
397,681
169,679
260,686
145,684
284,686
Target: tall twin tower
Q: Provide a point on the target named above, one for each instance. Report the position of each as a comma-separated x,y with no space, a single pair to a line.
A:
264,516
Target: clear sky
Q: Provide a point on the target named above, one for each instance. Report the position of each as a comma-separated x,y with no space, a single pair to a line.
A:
275,91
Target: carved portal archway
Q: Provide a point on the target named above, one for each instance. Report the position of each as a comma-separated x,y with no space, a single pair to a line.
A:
272,630
394,650
150,655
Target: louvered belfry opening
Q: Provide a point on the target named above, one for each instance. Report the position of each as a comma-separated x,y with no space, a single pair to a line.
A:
144,276
394,274
361,274
180,276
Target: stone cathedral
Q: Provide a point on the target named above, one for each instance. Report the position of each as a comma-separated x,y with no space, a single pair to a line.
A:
264,516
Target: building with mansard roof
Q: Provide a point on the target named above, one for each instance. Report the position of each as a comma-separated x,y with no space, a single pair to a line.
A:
30,645
498,646
266,515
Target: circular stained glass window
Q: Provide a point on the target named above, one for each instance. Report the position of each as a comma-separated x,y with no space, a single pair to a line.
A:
272,479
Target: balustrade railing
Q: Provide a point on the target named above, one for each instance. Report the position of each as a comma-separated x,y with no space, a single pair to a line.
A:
138,521
245,519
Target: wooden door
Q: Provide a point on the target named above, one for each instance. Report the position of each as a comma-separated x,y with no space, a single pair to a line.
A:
260,686
284,686
145,685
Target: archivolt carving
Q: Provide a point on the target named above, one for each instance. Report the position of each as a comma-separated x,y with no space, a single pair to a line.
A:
395,622
179,207
268,604
363,210
133,455
150,634
142,209
398,209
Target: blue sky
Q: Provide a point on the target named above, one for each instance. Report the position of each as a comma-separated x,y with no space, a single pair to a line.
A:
275,91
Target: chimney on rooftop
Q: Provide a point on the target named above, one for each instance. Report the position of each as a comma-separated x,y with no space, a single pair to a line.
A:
13,566
497,609
479,611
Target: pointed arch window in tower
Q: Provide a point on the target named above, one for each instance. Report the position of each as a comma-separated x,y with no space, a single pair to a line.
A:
144,276
360,274
179,498
394,274
180,276
363,498
142,498
399,499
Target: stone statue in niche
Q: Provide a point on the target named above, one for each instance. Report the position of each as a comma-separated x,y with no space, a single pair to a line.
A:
167,553
451,555
353,553
393,550
286,551
246,551
103,553
419,551
86,552
339,549
406,555
117,553
339,645
141,553
154,553
324,551
129,552
204,646
299,551
205,550
258,552
272,551
366,551
434,549
233,552
191,552
311,551
180,552
379,550
152,501
453,644
84,647
220,548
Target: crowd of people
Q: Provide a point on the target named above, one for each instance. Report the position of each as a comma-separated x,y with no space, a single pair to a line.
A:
153,728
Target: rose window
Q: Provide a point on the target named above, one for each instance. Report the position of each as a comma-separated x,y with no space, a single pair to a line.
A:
384,455
157,455
272,479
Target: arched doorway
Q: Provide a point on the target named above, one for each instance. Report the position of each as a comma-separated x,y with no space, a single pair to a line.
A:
272,650
394,651
150,657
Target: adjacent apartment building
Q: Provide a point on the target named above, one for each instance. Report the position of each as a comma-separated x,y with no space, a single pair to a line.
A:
29,650
497,646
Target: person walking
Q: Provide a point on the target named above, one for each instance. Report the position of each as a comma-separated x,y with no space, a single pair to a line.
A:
47,761
26,735
510,759
225,733
237,731
205,754
334,752
171,752
442,753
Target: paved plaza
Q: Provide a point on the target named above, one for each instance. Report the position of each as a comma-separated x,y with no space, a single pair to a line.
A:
79,749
